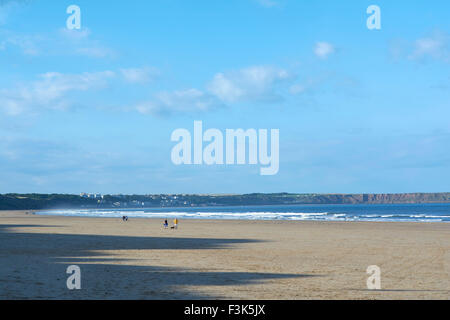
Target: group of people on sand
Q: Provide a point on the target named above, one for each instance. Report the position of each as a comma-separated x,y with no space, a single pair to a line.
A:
175,224
166,224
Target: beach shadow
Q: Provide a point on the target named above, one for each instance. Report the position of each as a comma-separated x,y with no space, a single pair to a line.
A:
397,290
33,266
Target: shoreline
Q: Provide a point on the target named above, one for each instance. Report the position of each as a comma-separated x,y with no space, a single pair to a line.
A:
250,214
33,213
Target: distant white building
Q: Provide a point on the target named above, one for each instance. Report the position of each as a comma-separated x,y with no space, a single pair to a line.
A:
91,195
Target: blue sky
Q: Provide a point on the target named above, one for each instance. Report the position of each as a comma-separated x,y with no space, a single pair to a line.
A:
92,110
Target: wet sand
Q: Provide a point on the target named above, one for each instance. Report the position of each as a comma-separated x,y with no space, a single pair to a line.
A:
212,259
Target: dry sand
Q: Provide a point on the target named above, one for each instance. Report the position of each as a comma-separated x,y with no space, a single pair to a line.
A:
207,259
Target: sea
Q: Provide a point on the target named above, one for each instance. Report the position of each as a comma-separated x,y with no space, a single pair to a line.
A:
354,212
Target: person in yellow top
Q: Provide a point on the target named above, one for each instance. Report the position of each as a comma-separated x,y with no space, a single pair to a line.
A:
175,223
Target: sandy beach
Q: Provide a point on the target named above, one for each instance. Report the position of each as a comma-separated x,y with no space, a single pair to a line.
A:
211,259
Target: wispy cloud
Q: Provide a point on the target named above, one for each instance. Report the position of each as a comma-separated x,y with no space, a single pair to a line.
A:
27,44
74,35
49,91
94,52
61,42
139,75
80,42
256,83
7,6
436,47
52,90
64,42
182,101
253,83
324,49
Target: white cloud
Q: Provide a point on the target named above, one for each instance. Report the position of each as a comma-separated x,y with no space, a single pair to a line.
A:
139,75
54,90
182,101
74,34
94,52
54,85
436,47
253,83
257,83
49,91
63,42
226,89
79,42
28,44
323,49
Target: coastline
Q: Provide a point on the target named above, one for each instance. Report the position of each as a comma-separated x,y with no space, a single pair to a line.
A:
224,259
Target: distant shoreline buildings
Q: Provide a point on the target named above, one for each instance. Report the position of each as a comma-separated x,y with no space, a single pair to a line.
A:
97,200
91,195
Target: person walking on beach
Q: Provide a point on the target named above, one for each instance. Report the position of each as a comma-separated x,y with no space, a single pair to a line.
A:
166,224
175,223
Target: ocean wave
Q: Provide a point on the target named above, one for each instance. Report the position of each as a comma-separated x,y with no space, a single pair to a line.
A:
186,214
246,215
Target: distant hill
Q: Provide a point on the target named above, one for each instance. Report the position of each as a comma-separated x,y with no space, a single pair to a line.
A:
53,201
